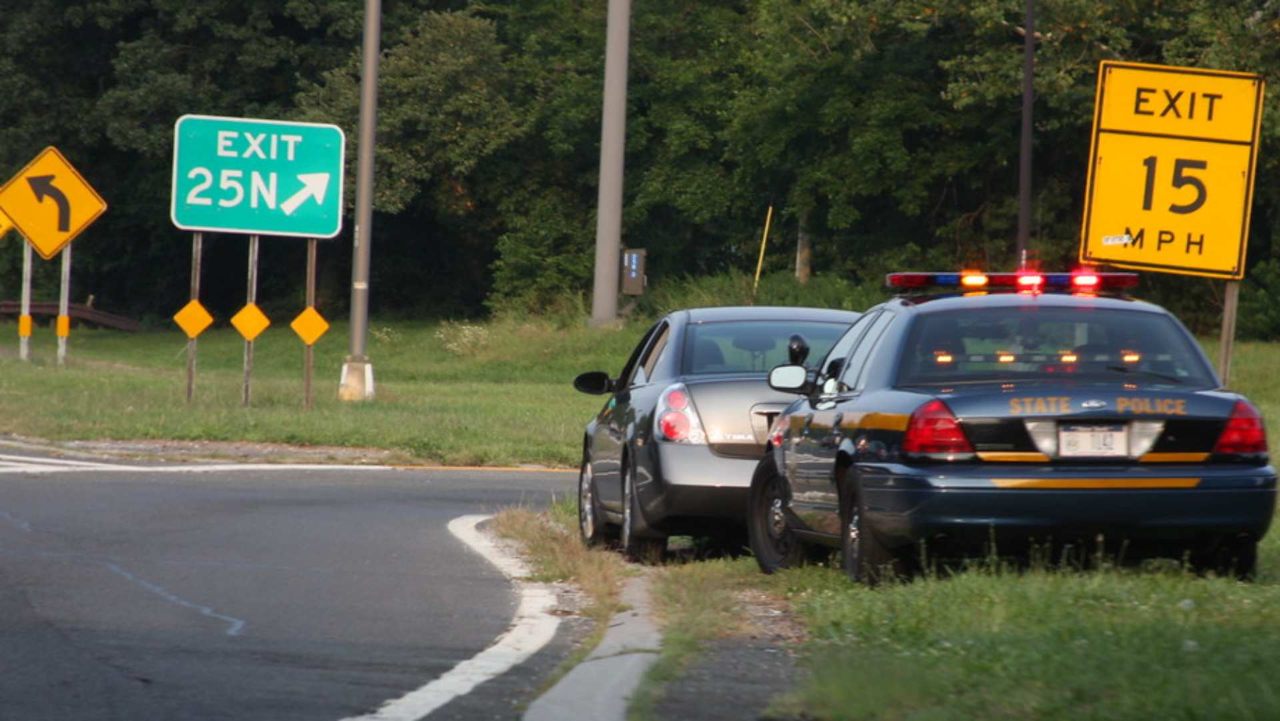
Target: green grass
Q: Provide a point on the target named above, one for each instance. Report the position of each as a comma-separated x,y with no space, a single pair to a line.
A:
1041,645
496,394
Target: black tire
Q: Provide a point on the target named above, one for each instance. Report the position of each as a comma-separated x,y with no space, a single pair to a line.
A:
863,557
1230,558
636,541
772,541
591,524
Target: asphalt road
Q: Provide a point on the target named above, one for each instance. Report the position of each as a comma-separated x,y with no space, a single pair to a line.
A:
241,594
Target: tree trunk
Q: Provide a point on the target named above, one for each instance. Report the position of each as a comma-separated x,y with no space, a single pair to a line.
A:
804,254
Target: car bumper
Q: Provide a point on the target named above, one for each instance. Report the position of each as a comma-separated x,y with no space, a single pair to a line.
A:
692,482
1161,505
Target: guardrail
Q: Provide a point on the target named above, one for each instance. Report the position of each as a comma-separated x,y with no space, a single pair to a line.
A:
77,311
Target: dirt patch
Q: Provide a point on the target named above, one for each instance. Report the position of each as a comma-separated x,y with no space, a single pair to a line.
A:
741,676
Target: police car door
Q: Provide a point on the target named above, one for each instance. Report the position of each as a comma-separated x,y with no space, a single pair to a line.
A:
809,471
822,490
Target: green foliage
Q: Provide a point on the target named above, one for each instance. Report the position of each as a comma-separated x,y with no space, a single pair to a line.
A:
1043,645
1259,313
885,130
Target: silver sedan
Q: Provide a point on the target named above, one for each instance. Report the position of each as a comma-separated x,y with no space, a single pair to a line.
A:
673,449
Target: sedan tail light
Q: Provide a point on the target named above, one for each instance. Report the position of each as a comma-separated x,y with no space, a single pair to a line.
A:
934,431
676,418
1244,433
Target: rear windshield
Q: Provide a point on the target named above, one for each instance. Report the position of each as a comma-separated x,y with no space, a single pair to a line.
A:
753,346
1034,342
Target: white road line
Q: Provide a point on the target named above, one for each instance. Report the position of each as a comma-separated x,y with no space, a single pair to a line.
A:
234,625
47,466
532,628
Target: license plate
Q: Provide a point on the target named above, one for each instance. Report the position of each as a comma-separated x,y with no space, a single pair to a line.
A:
1093,441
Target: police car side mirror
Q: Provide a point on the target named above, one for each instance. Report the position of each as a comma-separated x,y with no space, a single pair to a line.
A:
790,379
595,383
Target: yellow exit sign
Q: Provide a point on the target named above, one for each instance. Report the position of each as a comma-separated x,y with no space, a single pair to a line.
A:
1171,169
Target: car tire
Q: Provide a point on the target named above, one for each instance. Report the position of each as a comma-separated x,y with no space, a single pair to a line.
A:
635,539
591,523
863,557
1230,558
772,541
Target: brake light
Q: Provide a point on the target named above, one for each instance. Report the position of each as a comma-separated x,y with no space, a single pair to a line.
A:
1244,433
934,430
778,432
676,419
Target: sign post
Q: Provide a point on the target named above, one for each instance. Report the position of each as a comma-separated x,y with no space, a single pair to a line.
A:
24,315
253,177
1171,174
50,203
63,325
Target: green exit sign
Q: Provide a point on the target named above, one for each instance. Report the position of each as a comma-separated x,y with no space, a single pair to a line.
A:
259,177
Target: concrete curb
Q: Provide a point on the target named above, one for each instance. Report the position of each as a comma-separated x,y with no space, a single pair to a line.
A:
600,687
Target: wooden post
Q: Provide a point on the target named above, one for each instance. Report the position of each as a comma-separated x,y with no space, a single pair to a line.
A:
1230,304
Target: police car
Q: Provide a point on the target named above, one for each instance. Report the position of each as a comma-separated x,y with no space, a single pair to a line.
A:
1016,411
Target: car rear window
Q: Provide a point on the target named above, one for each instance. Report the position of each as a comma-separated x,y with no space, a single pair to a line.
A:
1035,342
752,346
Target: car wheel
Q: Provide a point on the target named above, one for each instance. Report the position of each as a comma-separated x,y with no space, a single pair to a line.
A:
591,523
634,542
1230,558
862,556
772,541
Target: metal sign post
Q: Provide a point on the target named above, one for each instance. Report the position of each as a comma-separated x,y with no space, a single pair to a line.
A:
197,250
309,352
251,302
63,327
24,319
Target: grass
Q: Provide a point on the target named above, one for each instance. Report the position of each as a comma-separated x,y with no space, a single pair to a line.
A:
1043,645
494,394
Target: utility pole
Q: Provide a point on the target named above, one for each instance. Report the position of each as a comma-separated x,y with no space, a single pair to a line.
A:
1024,151
356,383
613,132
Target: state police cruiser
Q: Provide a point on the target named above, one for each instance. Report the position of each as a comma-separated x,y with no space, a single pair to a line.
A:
1019,409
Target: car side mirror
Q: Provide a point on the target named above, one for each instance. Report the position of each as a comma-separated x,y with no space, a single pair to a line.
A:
790,379
797,350
595,383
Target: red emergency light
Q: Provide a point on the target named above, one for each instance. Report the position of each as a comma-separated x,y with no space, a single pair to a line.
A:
1079,281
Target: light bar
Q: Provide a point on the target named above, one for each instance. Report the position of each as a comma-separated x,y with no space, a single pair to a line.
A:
1079,281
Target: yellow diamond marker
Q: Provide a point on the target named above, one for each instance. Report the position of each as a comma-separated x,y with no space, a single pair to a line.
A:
193,319
309,325
250,321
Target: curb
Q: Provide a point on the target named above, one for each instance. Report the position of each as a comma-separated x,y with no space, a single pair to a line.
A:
600,687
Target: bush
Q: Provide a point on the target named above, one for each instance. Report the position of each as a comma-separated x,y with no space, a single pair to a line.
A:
1259,316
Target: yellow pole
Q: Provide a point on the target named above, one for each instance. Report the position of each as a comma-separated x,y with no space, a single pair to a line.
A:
768,218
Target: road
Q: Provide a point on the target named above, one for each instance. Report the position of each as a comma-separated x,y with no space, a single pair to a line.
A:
240,593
